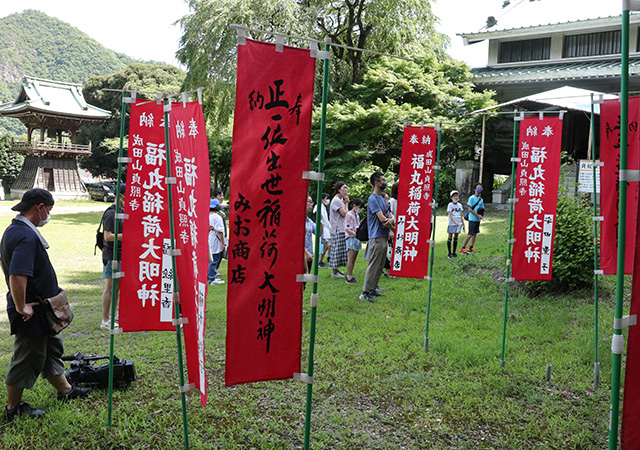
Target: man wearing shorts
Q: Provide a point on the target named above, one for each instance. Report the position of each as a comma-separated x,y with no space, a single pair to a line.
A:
107,259
30,276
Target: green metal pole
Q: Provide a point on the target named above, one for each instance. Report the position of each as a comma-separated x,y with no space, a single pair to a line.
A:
114,267
433,234
314,295
596,363
617,339
509,240
176,304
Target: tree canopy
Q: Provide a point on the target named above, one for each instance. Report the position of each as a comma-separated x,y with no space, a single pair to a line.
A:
370,95
146,79
10,163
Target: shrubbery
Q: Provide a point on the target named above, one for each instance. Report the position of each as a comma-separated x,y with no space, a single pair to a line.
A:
573,247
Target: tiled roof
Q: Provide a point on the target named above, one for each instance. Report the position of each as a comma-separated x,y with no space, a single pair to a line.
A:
609,68
53,98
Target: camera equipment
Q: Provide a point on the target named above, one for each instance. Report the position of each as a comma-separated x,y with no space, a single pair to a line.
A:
84,373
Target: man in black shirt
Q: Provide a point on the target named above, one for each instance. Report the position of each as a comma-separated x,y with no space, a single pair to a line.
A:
107,258
30,277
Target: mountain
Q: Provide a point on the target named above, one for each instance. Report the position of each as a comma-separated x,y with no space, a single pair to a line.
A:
36,44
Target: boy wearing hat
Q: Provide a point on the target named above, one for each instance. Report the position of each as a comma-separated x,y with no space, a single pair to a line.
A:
456,224
30,276
216,242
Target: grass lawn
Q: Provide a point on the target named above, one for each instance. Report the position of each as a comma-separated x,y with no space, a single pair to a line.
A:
375,387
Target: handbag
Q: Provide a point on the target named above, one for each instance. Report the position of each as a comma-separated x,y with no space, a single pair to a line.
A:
362,233
58,312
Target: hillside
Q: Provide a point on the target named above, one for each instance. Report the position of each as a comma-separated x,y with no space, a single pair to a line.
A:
36,44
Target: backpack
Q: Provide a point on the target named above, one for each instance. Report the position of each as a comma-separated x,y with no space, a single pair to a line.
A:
466,213
100,232
362,233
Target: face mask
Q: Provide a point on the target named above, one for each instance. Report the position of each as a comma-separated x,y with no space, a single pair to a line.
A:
325,202
479,190
383,186
45,221
454,201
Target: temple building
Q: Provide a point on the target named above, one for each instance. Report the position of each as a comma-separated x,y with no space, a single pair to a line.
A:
52,111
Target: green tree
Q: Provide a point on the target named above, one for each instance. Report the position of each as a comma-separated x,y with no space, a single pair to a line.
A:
366,128
146,79
10,163
369,96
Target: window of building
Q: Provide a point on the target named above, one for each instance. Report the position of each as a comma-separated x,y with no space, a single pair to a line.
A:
592,44
525,50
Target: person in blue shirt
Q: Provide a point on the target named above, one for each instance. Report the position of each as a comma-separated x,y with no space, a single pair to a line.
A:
476,214
379,222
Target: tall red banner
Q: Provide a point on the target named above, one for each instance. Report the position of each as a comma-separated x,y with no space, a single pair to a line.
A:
415,195
271,132
190,197
146,293
537,194
630,433
610,185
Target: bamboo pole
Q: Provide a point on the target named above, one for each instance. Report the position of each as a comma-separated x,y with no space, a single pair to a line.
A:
617,344
510,236
114,281
312,332
596,363
176,293
433,236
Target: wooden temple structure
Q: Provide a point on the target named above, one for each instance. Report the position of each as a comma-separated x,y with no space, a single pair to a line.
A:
52,111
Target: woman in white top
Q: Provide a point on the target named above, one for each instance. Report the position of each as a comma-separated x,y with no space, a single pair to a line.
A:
337,211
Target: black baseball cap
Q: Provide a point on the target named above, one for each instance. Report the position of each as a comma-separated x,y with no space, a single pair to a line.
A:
34,197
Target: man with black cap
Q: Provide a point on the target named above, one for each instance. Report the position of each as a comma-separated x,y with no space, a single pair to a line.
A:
30,277
109,221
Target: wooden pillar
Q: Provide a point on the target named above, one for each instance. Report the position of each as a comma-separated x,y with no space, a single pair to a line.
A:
73,136
29,133
42,130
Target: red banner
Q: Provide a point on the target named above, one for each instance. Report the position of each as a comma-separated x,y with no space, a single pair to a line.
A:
610,186
537,193
630,434
146,300
271,132
415,195
190,198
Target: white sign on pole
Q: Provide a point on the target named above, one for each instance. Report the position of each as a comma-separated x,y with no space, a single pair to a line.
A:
585,176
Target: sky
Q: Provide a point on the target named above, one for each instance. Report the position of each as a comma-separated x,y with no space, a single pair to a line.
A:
143,29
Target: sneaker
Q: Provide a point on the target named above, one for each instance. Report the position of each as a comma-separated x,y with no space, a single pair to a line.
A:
337,275
453,255
216,281
378,290
376,293
450,255
22,409
471,250
75,392
366,297
350,280
463,251
321,264
106,325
